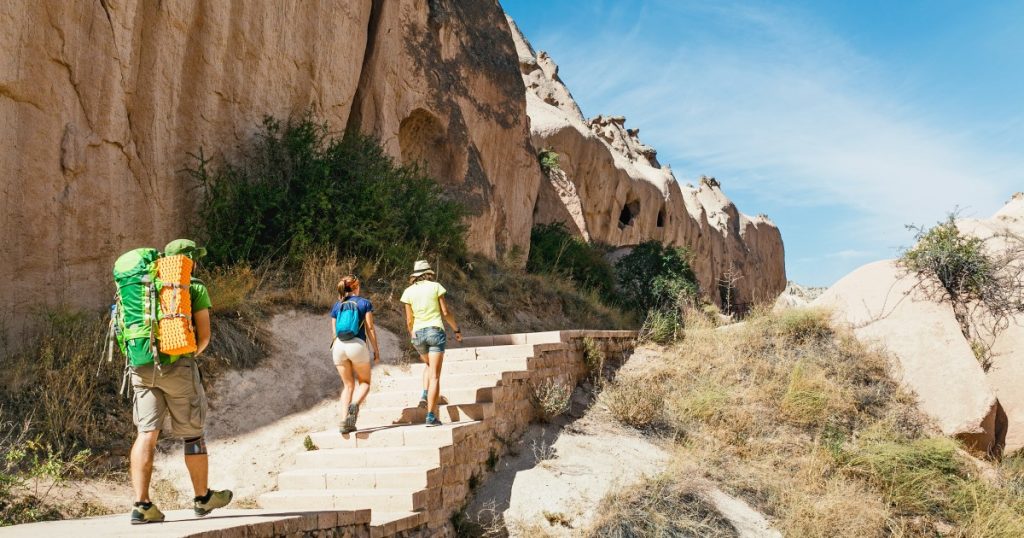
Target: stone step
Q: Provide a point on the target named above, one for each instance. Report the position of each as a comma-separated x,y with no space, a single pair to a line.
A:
450,393
412,478
482,366
384,500
384,416
414,384
397,435
364,458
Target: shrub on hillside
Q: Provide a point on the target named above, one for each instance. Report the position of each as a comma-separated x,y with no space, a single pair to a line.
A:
554,250
550,399
956,261
960,269
654,276
298,188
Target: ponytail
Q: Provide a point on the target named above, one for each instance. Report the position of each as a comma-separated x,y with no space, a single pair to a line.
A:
347,285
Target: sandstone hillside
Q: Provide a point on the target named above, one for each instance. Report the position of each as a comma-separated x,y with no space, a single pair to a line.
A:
103,102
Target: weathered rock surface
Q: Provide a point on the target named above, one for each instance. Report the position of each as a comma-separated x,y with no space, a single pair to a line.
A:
611,188
103,102
440,86
1002,231
932,357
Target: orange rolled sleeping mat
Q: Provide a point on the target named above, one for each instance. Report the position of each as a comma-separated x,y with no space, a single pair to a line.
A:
176,334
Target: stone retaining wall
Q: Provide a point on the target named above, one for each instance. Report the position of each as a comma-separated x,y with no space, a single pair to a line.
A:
558,357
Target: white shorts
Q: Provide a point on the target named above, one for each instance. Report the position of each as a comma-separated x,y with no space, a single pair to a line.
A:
354,350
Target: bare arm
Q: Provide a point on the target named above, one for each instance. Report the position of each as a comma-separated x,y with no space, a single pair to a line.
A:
409,319
371,335
334,335
449,317
201,319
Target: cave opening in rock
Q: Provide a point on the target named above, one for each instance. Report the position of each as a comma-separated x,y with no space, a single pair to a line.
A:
628,214
661,218
422,139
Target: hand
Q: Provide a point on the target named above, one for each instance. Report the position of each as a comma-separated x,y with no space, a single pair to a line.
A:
458,336
376,357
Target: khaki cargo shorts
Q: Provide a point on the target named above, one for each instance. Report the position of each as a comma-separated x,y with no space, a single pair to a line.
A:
174,390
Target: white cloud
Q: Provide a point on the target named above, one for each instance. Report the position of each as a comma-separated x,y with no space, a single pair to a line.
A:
785,110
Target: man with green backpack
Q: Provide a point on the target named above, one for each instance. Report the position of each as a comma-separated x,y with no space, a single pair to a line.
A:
162,385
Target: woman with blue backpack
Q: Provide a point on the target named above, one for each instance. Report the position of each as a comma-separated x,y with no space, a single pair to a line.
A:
351,327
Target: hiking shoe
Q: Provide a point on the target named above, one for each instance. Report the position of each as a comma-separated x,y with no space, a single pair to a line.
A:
432,420
142,515
349,425
212,500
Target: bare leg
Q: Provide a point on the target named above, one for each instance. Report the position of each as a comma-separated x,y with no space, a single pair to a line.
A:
433,370
142,463
362,374
345,371
198,466
426,371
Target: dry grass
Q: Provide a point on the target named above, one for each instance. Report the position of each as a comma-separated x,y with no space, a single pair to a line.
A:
806,424
634,401
62,392
550,399
660,506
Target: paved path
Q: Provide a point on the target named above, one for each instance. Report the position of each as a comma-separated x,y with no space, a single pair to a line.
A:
181,523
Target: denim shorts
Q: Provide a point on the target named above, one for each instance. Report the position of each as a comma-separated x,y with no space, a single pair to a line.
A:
430,340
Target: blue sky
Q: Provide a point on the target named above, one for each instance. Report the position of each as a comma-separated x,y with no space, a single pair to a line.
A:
843,121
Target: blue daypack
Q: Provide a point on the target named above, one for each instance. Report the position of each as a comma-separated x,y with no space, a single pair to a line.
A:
346,325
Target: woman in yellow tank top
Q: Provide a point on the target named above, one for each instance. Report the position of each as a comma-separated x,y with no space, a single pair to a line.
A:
425,314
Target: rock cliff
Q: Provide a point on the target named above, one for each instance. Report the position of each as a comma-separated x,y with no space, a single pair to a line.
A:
102,103
611,188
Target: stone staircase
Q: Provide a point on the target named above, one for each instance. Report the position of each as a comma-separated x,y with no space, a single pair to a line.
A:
411,477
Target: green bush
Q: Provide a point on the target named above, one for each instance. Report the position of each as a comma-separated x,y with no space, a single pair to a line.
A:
656,277
297,188
958,262
548,160
554,250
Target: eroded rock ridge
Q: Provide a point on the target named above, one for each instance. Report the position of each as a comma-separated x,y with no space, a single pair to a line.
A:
102,103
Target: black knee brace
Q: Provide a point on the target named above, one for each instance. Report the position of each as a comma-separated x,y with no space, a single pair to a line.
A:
195,446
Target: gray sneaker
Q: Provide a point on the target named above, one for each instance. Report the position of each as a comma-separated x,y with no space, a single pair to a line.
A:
141,515
216,499
349,425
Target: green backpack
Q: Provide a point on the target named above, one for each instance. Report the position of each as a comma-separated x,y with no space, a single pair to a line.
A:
135,313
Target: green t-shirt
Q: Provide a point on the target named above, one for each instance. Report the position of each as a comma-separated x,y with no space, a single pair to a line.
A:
200,301
426,309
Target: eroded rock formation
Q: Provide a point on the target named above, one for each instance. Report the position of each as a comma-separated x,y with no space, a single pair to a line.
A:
985,409
611,188
102,103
